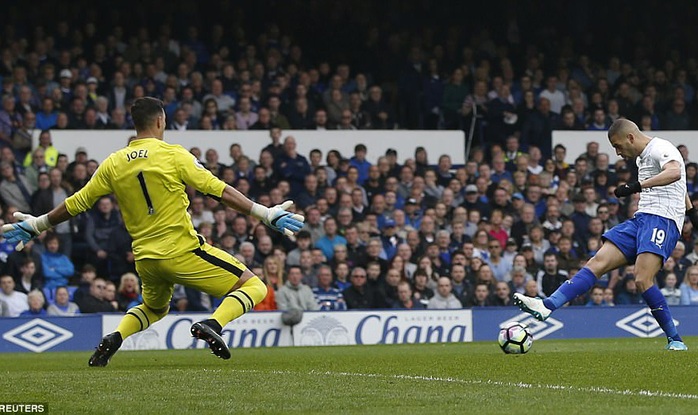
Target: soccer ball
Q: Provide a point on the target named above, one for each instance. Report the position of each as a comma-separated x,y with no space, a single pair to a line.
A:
514,338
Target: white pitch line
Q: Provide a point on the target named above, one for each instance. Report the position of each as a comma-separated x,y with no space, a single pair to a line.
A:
520,385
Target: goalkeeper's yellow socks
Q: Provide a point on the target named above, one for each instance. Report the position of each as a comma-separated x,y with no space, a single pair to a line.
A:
233,306
240,301
138,319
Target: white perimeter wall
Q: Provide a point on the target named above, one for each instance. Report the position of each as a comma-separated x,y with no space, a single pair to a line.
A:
100,144
576,142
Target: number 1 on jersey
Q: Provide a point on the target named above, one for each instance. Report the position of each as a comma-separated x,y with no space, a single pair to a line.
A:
144,188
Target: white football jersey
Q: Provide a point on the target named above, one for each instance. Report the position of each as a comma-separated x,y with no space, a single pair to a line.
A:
667,201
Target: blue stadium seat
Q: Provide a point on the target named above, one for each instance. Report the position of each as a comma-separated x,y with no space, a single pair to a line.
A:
50,295
71,291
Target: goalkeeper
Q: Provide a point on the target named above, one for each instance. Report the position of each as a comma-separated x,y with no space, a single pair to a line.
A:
148,178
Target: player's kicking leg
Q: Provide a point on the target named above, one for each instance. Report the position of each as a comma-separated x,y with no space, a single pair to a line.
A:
646,267
609,257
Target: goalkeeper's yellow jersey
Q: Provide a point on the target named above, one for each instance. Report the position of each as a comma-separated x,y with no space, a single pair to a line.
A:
148,178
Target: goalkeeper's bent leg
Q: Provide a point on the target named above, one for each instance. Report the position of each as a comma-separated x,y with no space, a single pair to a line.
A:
240,301
139,318
136,319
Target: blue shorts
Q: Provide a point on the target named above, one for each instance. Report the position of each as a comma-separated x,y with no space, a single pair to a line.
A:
644,233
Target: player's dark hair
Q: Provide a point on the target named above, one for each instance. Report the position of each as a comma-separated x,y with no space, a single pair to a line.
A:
618,126
144,111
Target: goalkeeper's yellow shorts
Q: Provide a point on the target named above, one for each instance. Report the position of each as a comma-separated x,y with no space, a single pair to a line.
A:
207,269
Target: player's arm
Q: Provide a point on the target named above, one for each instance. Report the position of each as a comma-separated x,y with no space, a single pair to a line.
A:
671,172
689,204
277,217
30,227
691,212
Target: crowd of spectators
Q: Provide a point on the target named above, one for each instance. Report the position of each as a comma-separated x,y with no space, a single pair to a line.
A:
409,235
405,232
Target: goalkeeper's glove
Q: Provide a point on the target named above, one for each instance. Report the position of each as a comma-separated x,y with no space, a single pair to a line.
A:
692,214
278,218
627,189
25,230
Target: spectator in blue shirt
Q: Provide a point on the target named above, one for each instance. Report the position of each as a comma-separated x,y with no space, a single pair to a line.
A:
689,288
57,267
413,213
327,295
48,116
499,170
359,161
596,297
580,218
534,195
389,239
629,293
292,166
326,243
310,194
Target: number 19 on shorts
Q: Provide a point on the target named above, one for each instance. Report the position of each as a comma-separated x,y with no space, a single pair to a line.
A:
658,236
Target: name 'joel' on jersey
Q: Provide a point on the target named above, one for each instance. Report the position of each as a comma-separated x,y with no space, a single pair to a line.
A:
667,201
149,178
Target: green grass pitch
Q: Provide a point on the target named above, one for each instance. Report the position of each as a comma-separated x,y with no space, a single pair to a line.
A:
616,376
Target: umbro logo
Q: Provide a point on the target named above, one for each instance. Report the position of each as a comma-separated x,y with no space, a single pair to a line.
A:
641,324
37,335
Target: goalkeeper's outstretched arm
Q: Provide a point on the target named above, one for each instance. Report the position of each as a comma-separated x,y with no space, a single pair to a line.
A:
59,214
277,217
29,227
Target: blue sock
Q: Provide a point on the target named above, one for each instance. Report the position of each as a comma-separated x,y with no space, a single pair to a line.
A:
571,289
660,310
